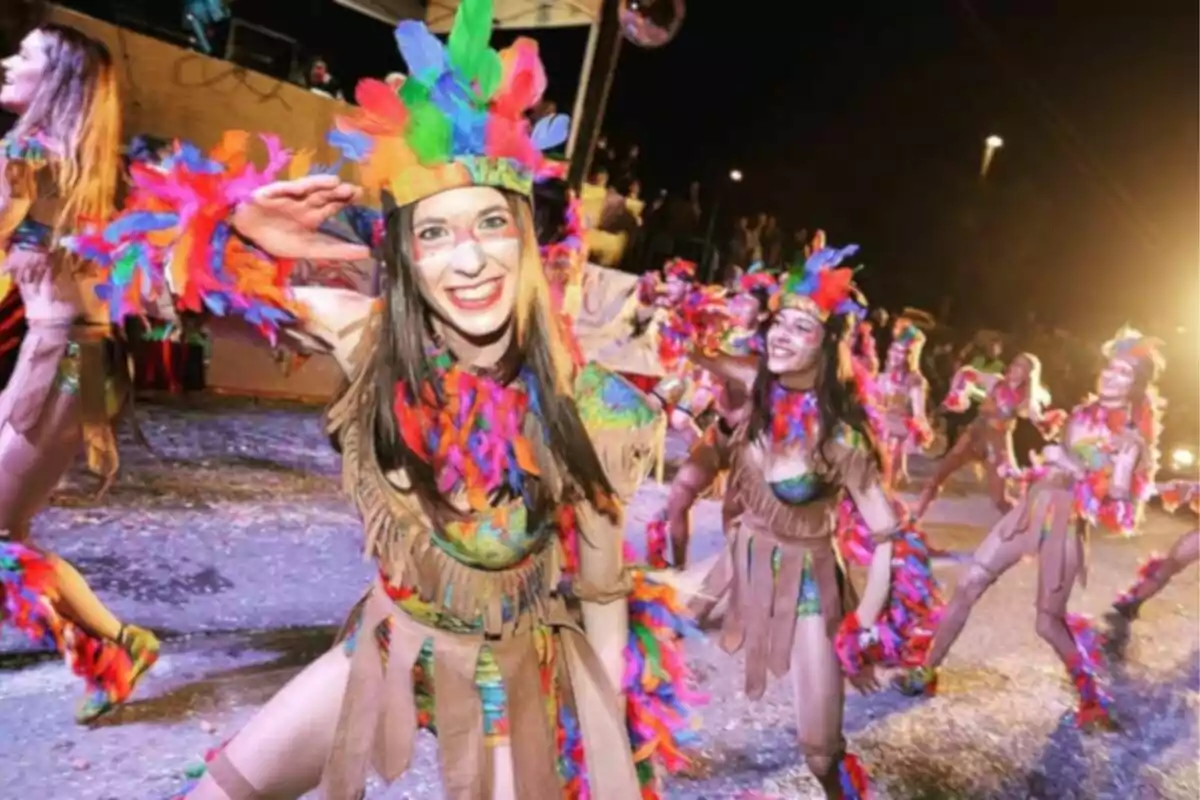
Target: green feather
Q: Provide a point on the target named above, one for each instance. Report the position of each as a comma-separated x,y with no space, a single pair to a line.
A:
428,133
490,73
653,655
469,36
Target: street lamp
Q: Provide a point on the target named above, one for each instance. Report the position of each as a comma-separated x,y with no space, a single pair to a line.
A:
735,175
990,145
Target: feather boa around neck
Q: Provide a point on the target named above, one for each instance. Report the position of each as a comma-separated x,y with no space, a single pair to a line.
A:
470,428
794,415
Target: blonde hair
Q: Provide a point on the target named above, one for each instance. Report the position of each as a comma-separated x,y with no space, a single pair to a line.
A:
76,111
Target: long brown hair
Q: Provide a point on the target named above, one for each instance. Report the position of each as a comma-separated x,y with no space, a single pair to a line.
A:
401,356
77,111
837,394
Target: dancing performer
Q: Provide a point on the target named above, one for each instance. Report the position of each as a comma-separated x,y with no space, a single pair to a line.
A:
60,167
708,456
988,439
1101,476
1157,571
901,391
863,347
804,443
488,471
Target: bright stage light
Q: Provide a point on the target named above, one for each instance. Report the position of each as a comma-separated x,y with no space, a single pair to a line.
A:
1182,458
994,142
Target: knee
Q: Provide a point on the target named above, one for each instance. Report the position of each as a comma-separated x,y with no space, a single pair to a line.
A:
681,495
972,585
822,767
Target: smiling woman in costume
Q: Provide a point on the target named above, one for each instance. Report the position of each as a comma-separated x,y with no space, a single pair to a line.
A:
488,470
805,443
1101,476
59,166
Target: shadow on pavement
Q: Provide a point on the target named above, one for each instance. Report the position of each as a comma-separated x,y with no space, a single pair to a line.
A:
246,685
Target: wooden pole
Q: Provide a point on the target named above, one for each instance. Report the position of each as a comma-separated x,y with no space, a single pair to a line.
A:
604,45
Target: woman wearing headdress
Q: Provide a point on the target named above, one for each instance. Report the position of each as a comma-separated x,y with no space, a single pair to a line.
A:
1157,571
1101,476
489,472
805,442
900,391
709,454
988,439
59,168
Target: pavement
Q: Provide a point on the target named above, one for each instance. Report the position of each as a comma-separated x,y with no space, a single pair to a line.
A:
234,543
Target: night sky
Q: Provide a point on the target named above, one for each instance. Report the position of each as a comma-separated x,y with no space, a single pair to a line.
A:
868,118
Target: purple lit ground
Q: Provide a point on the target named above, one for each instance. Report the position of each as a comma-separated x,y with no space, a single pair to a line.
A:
239,549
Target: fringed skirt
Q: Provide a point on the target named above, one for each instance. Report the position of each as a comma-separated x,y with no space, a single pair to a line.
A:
540,691
770,583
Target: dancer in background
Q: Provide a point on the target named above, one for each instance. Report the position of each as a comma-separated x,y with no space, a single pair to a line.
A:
488,470
709,455
988,439
1101,476
901,391
1157,571
805,442
60,167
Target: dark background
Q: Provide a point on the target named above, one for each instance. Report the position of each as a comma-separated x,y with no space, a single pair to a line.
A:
867,119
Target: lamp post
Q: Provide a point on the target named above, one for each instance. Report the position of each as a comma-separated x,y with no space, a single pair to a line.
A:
735,176
990,145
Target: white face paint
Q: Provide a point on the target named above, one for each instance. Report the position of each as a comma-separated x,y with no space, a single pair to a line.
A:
23,73
467,249
793,341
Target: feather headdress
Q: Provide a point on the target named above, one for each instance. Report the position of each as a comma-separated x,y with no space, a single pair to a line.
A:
820,285
1133,344
457,119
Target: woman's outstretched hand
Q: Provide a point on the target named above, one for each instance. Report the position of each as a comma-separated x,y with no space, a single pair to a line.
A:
283,219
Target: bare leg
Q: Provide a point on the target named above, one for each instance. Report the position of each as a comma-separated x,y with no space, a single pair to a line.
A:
1158,573
1054,592
819,697
997,488
961,454
694,476
901,457
504,782
282,751
993,558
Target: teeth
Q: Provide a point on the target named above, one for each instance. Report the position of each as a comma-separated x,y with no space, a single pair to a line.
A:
478,292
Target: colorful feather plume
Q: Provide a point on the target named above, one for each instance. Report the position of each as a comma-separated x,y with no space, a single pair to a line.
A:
820,286
174,239
457,119
26,590
471,430
903,633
